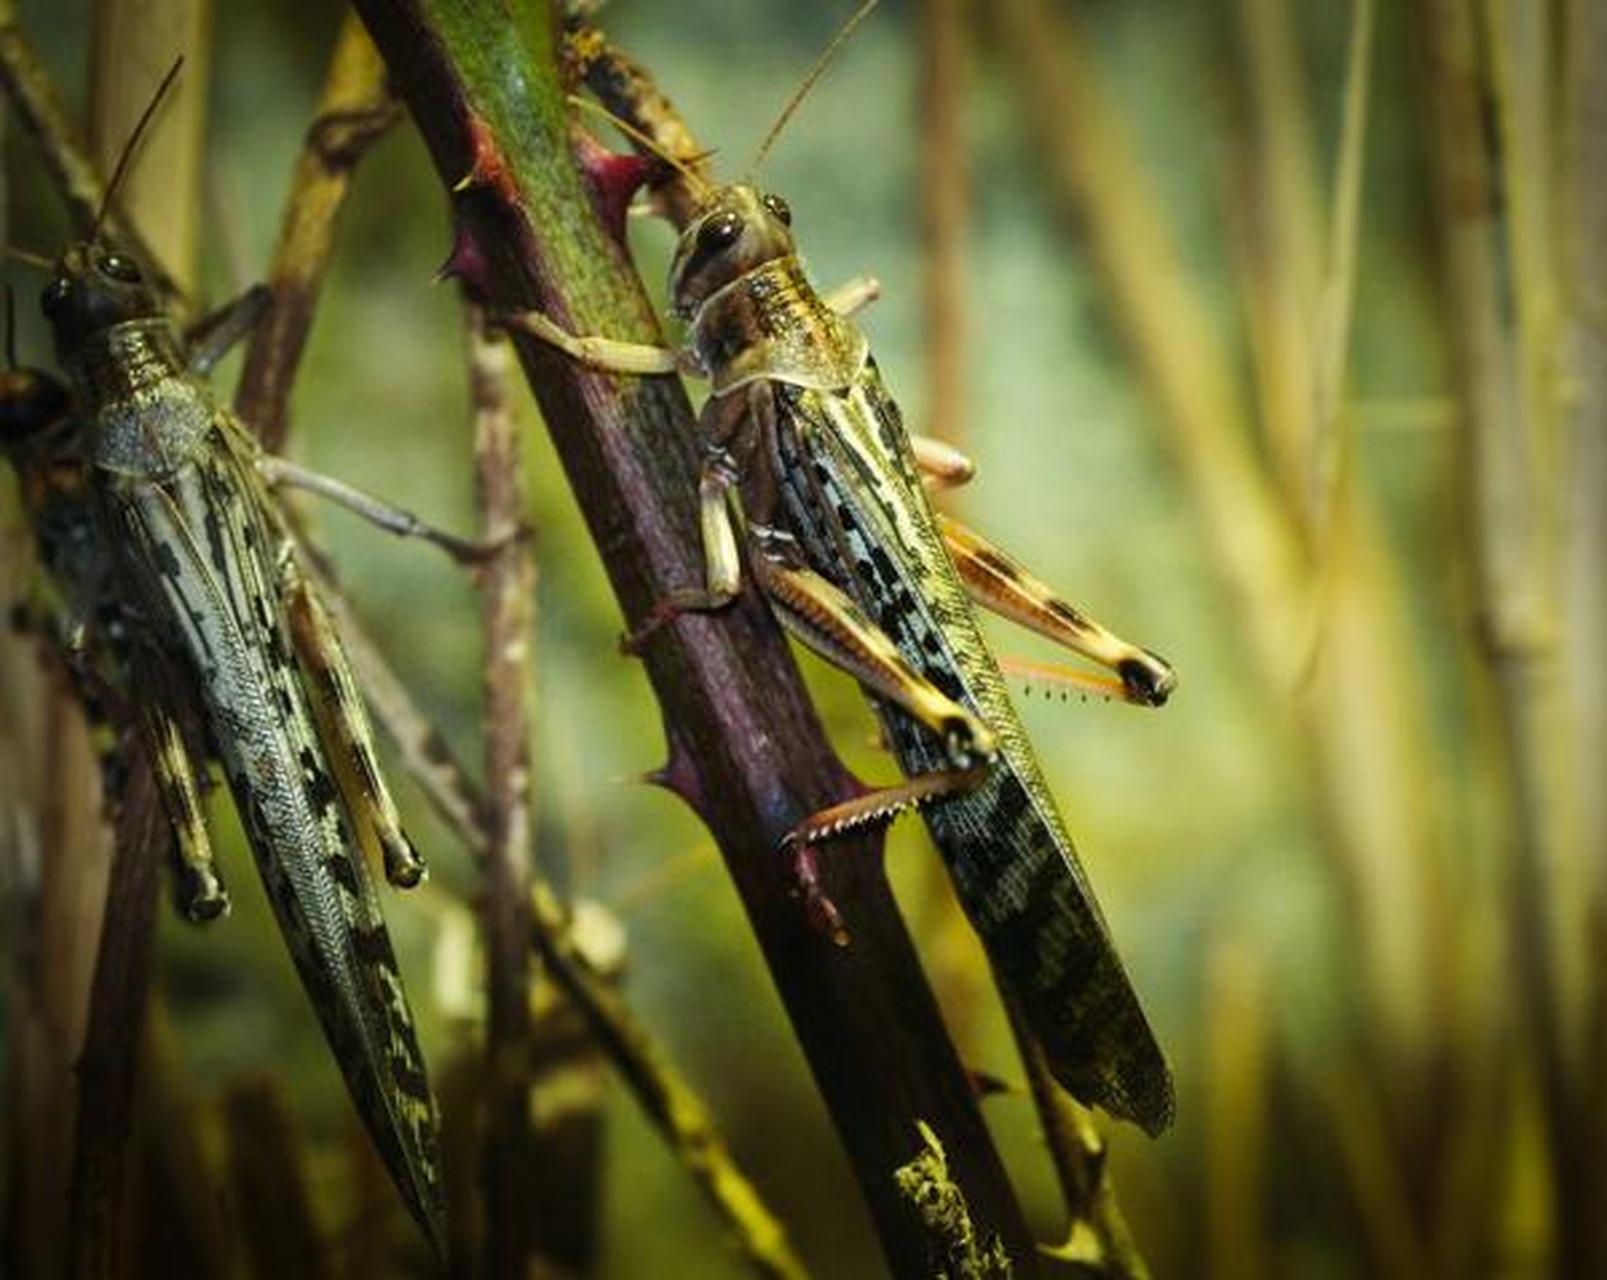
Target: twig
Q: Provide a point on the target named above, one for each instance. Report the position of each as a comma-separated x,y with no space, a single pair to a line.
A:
746,749
1098,1238
945,179
670,1103
98,1232
354,110
132,45
1237,1100
1332,343
507,581
1583,261
1508,500
277,1225
29,88
1275,195
626,89
569,1101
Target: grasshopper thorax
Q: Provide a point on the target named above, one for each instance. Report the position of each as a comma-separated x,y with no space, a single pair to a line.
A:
734,231
95,289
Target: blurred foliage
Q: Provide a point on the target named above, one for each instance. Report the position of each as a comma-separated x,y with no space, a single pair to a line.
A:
1198,824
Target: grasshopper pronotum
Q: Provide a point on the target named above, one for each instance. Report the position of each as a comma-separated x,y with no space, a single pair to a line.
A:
167,505
803,438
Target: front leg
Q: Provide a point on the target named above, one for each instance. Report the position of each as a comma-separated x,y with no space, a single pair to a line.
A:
607,354
722,562
279,473
731,427
853,296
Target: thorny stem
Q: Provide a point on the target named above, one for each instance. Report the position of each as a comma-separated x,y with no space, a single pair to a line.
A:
508,582
481,79
354,111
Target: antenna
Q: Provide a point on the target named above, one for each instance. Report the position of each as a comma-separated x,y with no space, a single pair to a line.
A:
700,186
29,256
120,171
815,72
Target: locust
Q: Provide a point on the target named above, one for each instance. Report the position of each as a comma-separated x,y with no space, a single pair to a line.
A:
206,570
808,468
152,505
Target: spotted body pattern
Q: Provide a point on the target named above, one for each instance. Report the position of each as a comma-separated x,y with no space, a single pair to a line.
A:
829,483
850,495
205,564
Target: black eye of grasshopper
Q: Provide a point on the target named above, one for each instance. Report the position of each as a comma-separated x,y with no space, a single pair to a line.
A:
54,297
779,209
119,267
720,232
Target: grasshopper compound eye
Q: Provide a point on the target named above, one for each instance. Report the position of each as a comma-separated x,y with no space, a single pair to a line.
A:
119,266
720,232
779,209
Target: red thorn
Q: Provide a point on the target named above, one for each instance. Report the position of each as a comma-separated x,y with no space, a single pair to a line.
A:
466,261
613,179
488,167
678,774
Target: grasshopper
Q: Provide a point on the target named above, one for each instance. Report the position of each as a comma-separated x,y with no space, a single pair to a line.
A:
808,464
162,496
204,566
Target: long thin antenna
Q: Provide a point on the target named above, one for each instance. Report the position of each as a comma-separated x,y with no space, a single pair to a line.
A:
33,259
802,92
700,186
121,170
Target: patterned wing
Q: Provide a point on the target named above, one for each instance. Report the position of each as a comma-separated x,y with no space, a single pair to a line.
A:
201,546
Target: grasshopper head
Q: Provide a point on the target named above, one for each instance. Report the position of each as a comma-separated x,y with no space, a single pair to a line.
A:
95,288
32,406
734,230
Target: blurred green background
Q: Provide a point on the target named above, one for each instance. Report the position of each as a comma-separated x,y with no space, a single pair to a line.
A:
1304,857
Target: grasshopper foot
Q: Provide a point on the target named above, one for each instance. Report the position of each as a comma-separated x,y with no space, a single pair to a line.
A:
1149,680
404,868
666,611
820,911
201,895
